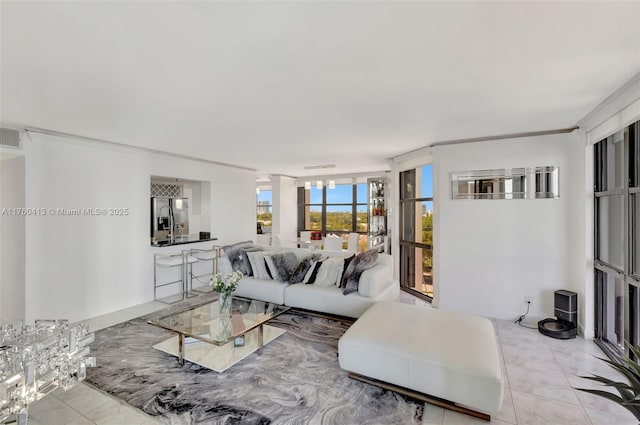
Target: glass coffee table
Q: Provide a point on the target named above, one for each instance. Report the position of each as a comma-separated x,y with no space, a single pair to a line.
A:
215,342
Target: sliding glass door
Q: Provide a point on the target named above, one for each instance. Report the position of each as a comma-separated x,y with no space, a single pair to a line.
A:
416,231
617,239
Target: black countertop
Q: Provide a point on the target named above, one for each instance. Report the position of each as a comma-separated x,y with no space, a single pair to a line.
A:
181,240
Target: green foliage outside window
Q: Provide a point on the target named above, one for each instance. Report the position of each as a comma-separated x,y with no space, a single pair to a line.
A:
265,219
338,221
427,238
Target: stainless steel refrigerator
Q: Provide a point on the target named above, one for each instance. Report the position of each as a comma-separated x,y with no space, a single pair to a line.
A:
169,218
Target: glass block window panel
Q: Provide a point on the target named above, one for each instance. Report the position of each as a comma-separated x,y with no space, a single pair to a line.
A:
634,155
635,233
610,230
609,162
614,331
166,190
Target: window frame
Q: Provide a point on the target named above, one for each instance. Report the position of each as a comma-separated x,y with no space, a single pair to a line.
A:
304,205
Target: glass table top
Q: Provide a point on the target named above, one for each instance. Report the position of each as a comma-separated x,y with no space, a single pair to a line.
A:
203,322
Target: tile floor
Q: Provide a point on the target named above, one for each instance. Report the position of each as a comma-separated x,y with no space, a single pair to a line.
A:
540,374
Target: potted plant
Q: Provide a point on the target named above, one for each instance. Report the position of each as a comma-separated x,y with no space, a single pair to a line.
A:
629,397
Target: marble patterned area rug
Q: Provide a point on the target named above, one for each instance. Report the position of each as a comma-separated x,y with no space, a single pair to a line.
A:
297,379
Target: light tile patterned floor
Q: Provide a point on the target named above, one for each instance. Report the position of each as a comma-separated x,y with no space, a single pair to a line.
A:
540,374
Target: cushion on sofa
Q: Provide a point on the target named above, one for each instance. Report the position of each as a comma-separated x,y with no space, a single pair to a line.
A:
258,264
310,277
245,266
303,267
281,265
329,271
233,253
363,261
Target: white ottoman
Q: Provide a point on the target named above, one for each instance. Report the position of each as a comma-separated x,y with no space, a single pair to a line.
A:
451,356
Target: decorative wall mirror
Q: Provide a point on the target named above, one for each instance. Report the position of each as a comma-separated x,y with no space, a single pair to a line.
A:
490,184
509,183
546,182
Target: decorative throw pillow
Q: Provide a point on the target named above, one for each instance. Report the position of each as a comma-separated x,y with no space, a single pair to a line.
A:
233,253
329,271
308,280
282,265
258,266
245,266
301,271
345,265
363,261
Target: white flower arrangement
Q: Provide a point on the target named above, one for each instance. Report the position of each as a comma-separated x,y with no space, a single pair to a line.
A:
225,283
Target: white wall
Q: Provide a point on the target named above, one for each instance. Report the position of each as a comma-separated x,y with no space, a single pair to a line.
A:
12,240
285,209
490,254
84,266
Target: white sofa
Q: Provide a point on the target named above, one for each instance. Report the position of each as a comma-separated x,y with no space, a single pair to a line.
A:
376,284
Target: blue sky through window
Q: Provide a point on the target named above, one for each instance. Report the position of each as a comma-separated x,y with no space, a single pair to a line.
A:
265,195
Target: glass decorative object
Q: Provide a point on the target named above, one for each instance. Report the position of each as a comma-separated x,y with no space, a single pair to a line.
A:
37,359
224,302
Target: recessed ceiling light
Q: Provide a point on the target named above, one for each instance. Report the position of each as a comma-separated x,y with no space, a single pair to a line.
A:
318,167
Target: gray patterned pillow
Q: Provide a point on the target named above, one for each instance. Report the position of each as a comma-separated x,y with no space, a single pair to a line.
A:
301,271
245,266
233,253
363,261
282,265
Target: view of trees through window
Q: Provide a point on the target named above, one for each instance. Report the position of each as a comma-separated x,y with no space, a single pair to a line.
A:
264,205
416,230
341,210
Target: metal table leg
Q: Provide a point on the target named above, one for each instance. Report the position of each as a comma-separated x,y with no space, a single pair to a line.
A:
260,339
181,349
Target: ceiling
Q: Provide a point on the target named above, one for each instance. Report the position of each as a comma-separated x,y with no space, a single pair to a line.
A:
277,86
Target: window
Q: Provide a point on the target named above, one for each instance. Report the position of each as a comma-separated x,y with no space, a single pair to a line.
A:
617,239
339,211
416,230
264,205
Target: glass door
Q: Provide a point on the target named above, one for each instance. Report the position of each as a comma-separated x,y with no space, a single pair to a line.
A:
617,240
416,231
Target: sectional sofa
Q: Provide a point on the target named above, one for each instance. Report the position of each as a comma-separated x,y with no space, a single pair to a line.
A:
375,284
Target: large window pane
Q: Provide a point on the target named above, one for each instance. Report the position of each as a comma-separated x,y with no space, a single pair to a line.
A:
426,181
416,269
313,217
416,229
610,230
418,224
362,219
361,195
609,162
263,208
342,194
339,218
615,310
315,195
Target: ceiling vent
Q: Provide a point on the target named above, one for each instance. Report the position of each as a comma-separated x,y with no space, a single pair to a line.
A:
9,137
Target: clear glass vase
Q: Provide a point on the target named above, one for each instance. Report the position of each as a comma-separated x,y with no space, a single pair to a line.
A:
224,302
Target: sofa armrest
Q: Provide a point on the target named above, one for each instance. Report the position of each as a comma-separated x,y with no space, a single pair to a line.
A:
374,281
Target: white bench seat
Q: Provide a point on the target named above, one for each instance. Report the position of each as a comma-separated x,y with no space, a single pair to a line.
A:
449,355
